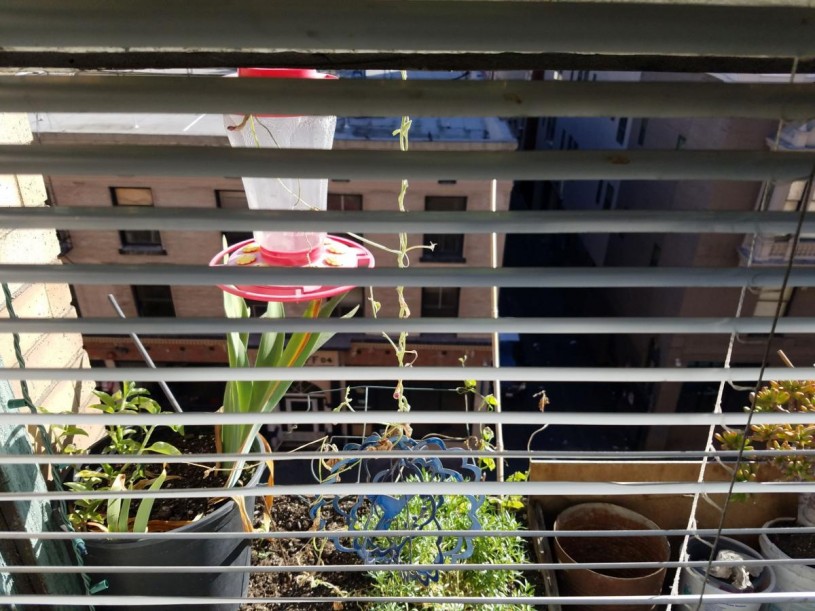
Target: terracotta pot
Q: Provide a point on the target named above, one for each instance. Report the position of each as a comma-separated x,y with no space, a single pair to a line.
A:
609,582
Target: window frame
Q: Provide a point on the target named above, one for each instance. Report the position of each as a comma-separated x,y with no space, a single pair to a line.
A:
137,241
454,242
440,311
140,302
232,237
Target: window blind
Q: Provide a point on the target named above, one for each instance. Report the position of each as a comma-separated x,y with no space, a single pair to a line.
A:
748,37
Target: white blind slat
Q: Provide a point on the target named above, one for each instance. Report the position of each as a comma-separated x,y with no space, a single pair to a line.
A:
194,161
355,98
553,277
322,25
557,326
378,221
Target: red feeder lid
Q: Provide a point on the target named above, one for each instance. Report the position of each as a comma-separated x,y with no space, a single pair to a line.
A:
283,73
291,73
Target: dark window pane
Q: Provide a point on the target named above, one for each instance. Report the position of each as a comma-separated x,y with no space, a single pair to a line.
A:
139,238
153,301
137,241
643,131
65,242
609,199
440,301
355,297
449,246
343,202
231,199
622,126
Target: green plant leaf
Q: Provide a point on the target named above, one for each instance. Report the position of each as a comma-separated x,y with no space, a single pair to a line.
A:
237,393
271,344
115,505
146,506
74,430
270,353
162,447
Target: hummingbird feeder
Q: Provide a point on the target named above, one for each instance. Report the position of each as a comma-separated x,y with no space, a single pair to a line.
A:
287,248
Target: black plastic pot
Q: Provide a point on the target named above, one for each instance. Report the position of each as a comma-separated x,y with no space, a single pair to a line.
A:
179,552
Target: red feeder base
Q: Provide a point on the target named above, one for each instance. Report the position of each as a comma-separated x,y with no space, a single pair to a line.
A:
336,252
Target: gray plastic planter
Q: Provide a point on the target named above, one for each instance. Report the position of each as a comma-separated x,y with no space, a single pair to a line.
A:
187,552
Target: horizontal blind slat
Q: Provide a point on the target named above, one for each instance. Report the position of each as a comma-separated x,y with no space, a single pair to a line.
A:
554,325
421,417
195,161
360,568
435,374
553,277
322,25
581,488
322,534
375,97
146,459
376,221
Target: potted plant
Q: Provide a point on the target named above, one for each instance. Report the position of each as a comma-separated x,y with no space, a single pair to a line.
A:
612,582
114,515
725,579
458,513
791,396
222,514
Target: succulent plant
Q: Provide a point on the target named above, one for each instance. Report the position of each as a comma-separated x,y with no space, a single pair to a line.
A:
789,396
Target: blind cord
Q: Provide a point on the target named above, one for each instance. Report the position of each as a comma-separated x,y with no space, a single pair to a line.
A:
762,206
804,205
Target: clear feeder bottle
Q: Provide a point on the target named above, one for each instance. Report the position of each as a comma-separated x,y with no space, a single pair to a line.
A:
294,132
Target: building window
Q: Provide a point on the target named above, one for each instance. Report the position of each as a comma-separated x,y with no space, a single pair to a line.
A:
342,202
447,182
599,192
767,301
355,297
65,242
153,301
137,241
643,130
795,196
233,199
449,246
551,126
562,139
622,126
608,202
440,301
680,142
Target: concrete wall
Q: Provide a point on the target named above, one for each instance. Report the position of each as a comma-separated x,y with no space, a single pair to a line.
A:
30,300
